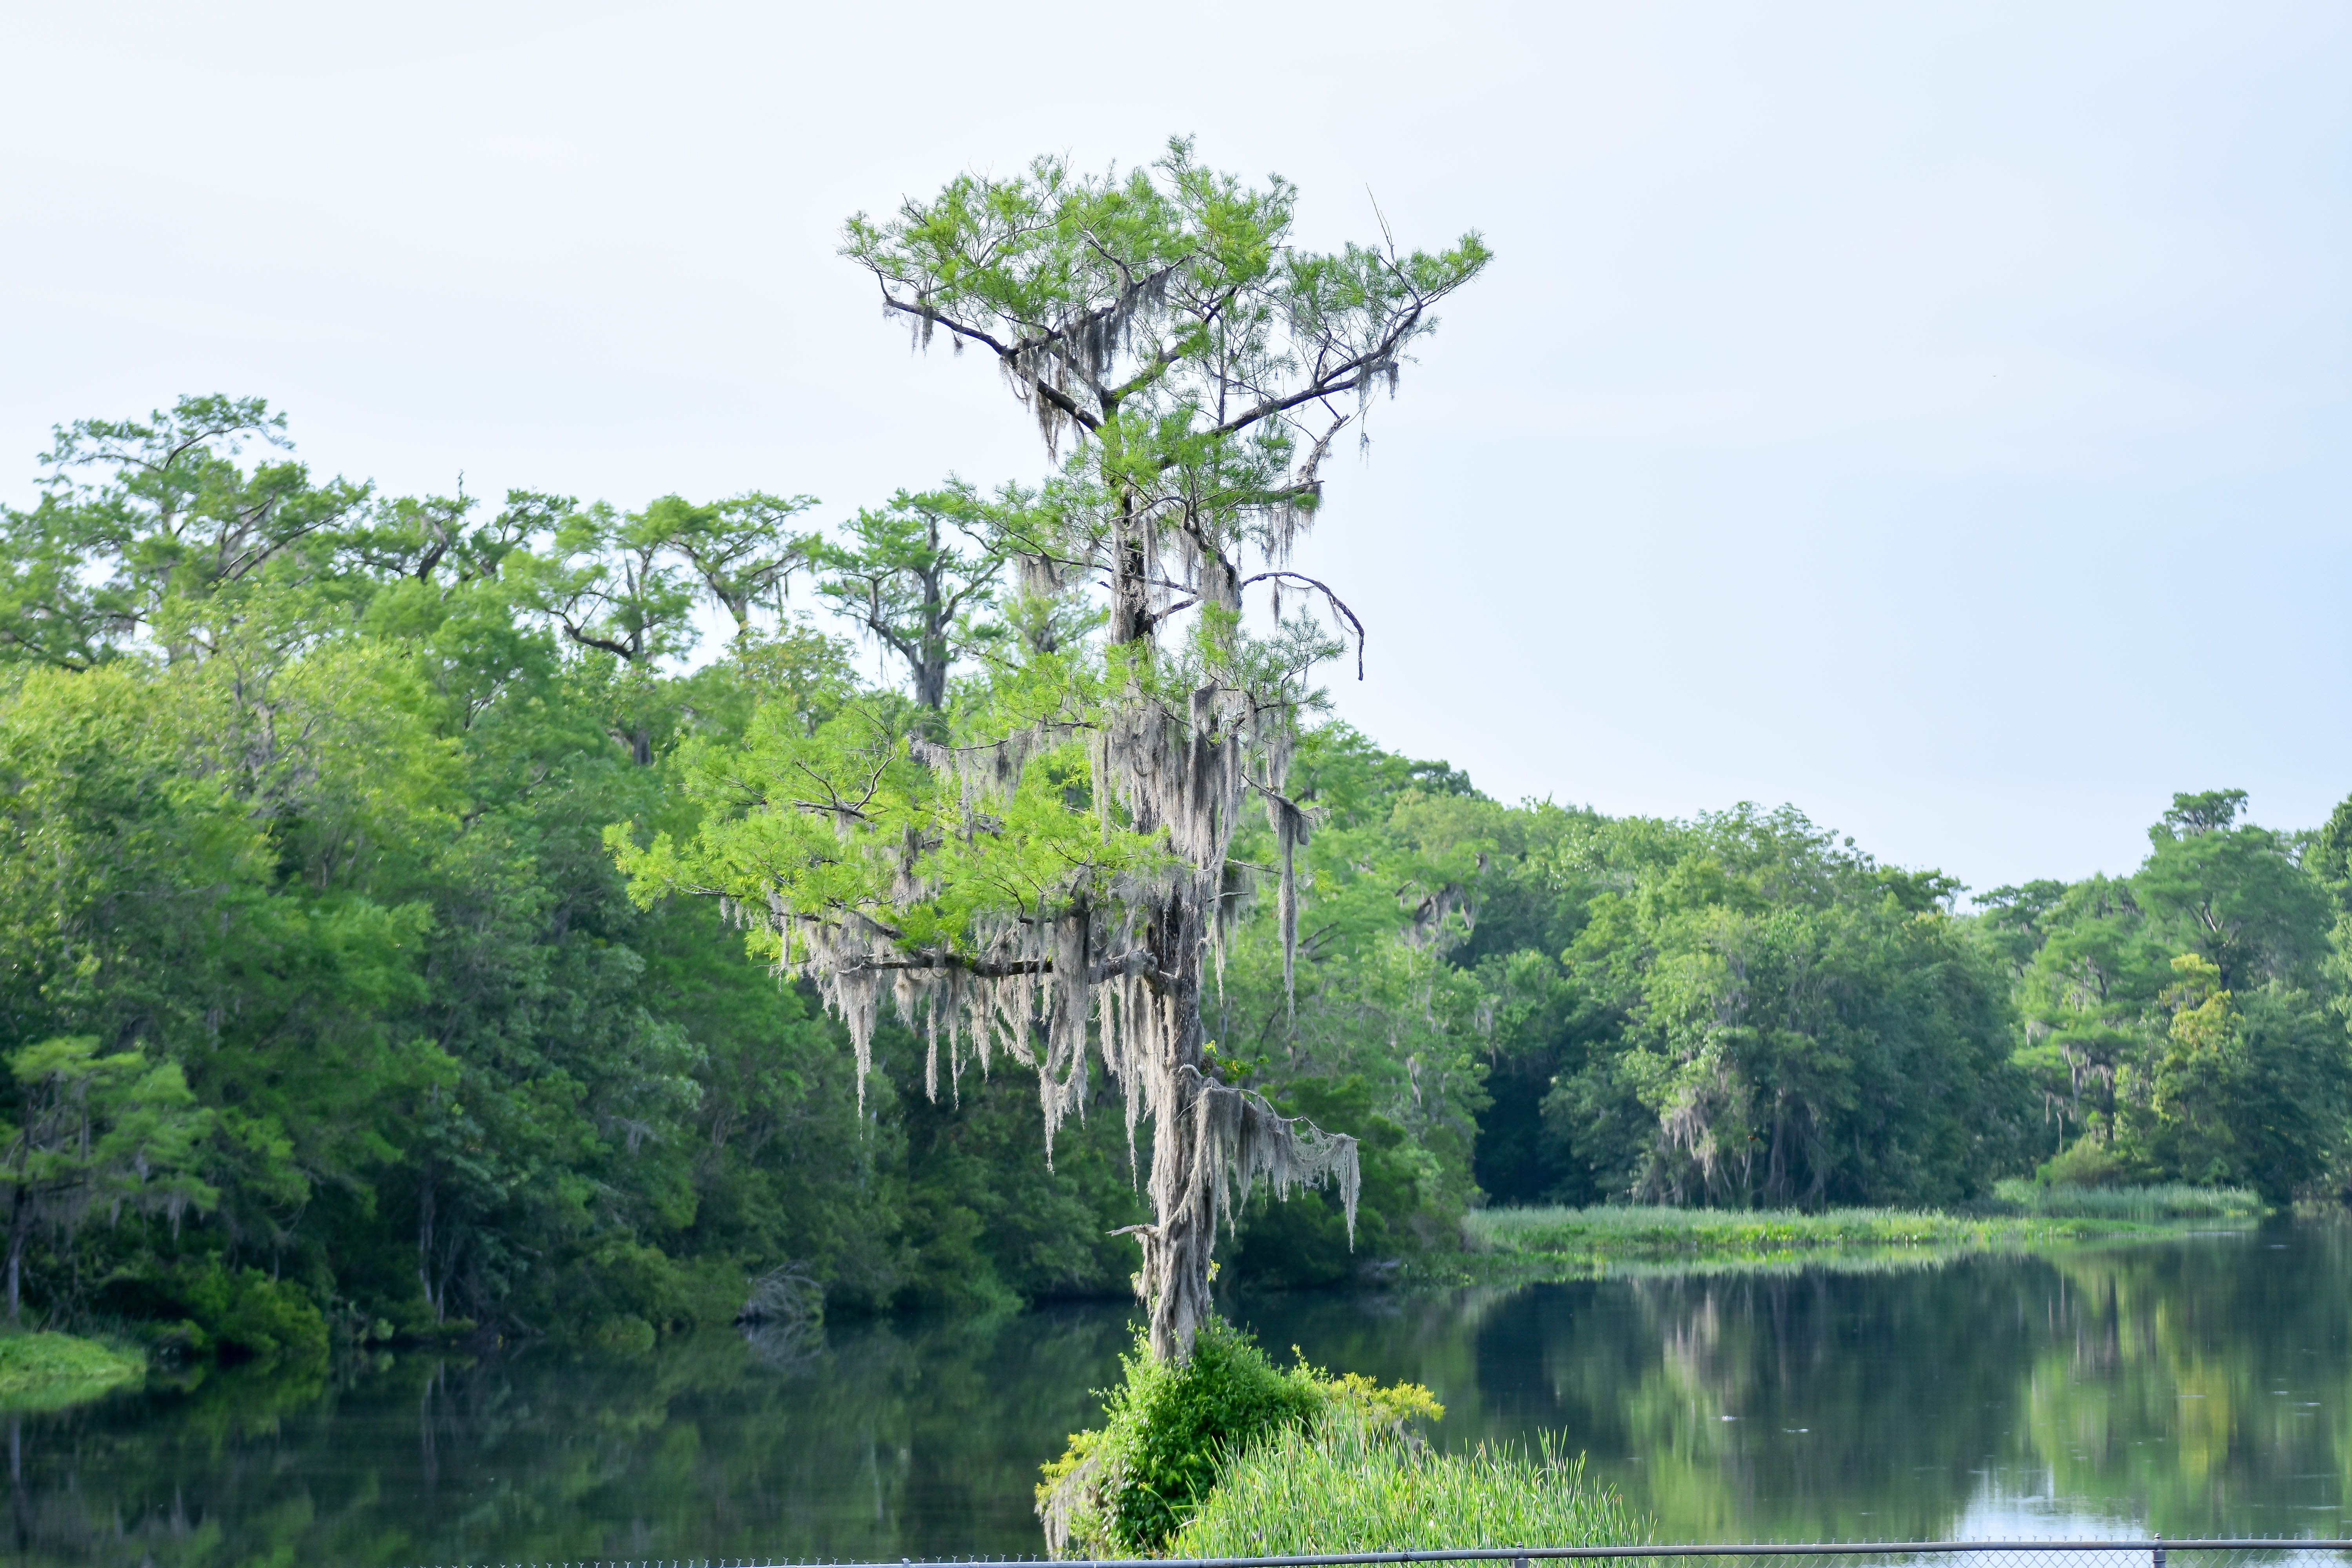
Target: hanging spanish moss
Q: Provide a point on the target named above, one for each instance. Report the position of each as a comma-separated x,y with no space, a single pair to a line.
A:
1110,975
1161,330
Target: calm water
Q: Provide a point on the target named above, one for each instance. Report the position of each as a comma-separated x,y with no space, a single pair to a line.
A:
2201,1386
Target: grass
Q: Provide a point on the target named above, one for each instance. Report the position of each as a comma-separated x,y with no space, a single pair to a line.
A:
2170,1201
2022,1213
1342,1487
49,1371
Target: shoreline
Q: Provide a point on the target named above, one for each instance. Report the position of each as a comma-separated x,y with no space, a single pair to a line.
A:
1527,1245
49,1371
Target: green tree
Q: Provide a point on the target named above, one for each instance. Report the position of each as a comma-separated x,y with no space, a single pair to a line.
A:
170,525
740,548
1066,856
1791,1023
2234,894
2175,1019
96,1130
905,581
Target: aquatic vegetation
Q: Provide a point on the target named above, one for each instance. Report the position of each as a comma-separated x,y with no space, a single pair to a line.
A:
1345,1486
1171,1427
49,1371
2166,1200
1647,1232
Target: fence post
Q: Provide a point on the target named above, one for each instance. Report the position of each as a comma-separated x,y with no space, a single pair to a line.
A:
2159,1552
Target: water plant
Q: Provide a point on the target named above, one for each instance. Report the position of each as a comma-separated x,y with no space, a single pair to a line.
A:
2020,1213
1345,1485
50,1370
1170,1426
2161,1201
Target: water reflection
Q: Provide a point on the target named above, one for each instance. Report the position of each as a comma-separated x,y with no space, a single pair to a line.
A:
2195,1387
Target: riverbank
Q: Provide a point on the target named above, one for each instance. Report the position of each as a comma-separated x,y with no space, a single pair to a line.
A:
49,1371
1530,1243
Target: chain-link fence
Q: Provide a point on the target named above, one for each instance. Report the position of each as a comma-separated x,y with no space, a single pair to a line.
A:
2153,1552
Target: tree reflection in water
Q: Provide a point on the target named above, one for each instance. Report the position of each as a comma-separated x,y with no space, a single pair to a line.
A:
2194,1387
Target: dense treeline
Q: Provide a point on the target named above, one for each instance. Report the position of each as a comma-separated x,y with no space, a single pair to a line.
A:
329,1011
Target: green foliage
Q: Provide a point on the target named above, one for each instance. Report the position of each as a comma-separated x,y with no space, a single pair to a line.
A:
2171,1200
355,964
1165,1429
2177,1023
1344,1486
49,1371
1555,1240
1741,1010
1168,1426
98,1131
917,571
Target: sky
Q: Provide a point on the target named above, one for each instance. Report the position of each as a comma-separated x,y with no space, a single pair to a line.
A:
1935,417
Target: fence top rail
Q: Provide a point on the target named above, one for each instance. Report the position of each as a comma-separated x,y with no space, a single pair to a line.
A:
2143,1545
2151,1546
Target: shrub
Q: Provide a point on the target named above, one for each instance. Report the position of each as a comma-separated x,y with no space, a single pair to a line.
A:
248,1313
239,1313
1126,1488
1345,1485
2088,1162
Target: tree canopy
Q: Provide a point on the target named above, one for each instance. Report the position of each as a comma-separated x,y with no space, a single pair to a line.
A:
423,916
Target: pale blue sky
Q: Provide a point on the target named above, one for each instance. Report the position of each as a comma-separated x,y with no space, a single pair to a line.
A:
1932,416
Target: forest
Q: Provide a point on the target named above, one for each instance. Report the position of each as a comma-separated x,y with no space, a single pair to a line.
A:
330,1012
433,917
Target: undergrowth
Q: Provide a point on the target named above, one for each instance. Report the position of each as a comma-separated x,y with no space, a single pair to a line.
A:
1343,1485
1124,1489
50,1370
2020,1212
2169,1200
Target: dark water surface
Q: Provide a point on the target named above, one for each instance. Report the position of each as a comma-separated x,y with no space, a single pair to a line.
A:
2195,1386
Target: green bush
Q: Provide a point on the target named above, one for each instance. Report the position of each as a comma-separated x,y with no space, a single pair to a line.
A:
2088,1162
1347,1485
241,1314
1126,1488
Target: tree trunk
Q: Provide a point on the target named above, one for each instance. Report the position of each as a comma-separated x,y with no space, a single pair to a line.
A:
424,1207
20,1224
1178,1245
1130,610
1177,1248
932,676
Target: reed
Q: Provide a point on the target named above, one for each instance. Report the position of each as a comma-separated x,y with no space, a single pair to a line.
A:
1342,1487
50,1370
2166,1201
2020,1213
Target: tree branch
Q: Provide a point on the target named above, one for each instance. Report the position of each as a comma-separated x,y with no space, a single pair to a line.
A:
1337,604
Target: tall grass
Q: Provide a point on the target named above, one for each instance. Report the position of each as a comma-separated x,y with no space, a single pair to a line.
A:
1630,1231
50,1370
2020,1212
1338,1487
2171,1200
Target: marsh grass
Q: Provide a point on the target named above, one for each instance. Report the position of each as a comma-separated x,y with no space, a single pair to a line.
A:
1648,1231
2020,1213
2169,1201
1341,1487
49,1371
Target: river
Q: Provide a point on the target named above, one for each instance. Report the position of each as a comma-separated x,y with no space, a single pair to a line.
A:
2197,1386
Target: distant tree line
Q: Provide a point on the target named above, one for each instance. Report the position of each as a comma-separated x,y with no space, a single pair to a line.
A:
329,1011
